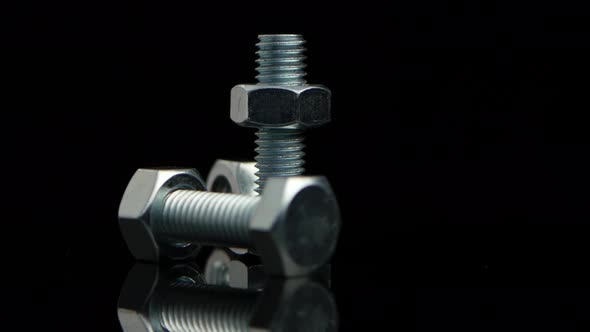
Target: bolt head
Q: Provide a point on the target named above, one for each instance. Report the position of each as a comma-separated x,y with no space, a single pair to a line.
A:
140,206
296,225
254,105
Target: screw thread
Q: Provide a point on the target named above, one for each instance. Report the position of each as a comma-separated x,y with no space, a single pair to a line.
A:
279,153
281,60
205,308
209,218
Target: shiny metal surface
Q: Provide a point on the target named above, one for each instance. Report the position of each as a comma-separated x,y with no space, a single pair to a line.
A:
294,226
153,299
144,194
257,105
280,106
236,177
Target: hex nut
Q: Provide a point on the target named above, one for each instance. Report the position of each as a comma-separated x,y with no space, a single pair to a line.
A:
257,105
140,205
296,225
232,177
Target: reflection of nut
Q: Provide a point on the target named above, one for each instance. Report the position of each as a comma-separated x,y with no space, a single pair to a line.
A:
257,105
232,177
141,201
225,268
138,289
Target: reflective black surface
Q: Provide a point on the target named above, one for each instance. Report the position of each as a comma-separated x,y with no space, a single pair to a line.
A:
178,299
89,296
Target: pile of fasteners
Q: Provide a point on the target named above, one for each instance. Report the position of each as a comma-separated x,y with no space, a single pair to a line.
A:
267,207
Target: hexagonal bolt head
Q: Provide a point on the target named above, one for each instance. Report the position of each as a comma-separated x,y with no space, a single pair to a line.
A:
141,201
255,105
296,225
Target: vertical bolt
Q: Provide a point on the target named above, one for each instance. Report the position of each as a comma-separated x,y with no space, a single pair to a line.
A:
280,150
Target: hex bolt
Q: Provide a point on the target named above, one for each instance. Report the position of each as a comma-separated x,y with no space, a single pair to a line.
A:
280,107
294,226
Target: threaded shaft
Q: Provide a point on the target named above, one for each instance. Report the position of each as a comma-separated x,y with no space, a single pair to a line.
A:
280,150
280,60
208,218
186,308
280,153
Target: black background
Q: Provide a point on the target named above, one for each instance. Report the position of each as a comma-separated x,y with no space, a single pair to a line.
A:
458,150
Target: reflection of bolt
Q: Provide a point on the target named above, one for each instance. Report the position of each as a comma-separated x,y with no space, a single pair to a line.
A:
151,302
294,226
188,307
226,268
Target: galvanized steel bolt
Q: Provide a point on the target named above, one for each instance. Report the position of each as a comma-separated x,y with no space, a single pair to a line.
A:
294,226
281,105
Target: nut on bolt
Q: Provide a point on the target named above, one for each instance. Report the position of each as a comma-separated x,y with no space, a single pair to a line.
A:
142,199
256,105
